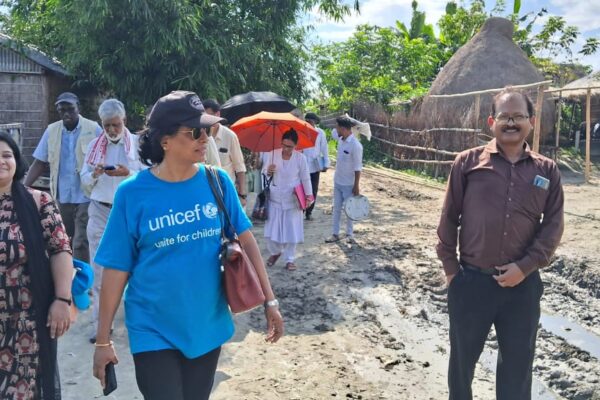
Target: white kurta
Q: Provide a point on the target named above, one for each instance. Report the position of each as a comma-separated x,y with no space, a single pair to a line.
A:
285,223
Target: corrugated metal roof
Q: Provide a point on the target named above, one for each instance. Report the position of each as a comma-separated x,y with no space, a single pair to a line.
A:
11,61
32,54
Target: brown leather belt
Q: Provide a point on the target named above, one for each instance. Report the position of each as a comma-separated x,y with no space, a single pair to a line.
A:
105,204
473,268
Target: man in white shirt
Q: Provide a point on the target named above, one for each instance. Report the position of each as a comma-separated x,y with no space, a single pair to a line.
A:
317,158
230,152
346,180
109,160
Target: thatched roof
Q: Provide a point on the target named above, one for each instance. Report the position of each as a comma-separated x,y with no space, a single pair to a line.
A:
490,60
580,86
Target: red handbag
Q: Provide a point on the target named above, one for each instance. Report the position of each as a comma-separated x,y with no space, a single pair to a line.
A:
242,286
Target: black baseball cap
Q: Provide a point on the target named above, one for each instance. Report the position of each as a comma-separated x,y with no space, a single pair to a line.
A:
313,117
180,108
67,97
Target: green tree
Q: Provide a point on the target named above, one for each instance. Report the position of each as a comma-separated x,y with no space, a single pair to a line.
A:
140,49
376,64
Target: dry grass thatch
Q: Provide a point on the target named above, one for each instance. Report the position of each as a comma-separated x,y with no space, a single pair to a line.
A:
590,81
490,60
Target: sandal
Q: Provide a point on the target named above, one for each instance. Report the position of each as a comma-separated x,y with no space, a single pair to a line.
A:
273,259
290,266
333,239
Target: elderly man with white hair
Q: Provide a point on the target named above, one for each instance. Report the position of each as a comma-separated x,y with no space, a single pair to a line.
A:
110,159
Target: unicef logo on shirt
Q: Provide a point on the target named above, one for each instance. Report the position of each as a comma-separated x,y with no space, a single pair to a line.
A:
210,210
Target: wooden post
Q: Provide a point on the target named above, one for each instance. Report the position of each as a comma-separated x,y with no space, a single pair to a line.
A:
559,111
588,134
477,110
538,118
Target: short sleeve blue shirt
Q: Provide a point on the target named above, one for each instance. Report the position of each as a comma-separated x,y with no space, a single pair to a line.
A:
166,235
69,183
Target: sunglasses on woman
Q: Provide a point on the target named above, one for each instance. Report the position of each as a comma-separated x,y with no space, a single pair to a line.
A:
195,132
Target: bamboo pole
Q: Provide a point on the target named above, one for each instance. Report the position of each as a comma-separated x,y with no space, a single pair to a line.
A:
571,89
538,119
477,110
527,86
393,128
588,134
559,111
410,160
416,148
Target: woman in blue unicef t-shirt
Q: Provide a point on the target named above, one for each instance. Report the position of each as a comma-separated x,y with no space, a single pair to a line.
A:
162,240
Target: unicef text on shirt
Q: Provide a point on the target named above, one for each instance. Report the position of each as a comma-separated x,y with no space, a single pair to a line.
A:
209,210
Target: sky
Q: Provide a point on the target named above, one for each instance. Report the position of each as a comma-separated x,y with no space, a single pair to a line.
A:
584,14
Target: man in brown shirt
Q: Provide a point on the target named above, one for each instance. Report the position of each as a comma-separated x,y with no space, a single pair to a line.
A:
508,203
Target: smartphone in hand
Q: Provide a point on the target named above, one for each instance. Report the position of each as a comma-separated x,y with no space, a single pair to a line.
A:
110,379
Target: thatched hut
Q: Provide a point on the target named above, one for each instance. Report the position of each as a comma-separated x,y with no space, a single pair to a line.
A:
29,84
576,92
490,60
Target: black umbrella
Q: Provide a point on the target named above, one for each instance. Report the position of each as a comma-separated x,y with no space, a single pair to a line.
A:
247,104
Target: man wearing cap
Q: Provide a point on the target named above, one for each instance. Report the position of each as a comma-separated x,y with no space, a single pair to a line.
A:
317,158
230,152
62,150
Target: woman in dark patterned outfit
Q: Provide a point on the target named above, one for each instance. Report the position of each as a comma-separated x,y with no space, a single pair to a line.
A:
36,270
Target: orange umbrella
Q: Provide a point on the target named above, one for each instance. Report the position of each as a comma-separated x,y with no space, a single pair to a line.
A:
263,131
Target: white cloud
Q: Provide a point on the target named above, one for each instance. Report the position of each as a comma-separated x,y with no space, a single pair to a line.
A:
376,12
582,14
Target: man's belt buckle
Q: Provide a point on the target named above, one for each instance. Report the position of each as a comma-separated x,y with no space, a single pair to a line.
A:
485,271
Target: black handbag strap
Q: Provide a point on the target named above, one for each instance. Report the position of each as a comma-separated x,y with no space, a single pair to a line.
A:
215,186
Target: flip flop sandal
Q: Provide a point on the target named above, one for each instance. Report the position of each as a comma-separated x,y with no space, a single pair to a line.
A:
290,266
272,260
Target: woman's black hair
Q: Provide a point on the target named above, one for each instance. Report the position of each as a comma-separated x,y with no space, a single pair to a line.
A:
290,134
20,161
151,150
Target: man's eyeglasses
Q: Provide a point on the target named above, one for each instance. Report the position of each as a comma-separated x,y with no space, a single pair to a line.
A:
517,119
287,146
195,132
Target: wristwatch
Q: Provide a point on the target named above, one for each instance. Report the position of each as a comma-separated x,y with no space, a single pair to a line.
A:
272,303
242,196
68,301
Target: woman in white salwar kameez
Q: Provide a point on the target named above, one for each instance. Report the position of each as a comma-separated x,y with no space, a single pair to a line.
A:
284,227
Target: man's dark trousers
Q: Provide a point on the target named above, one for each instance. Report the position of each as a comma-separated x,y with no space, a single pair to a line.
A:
475,302
314,181
75,219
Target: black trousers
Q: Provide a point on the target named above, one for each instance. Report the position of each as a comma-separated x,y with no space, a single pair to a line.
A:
75,219
314,181
169,375
475,302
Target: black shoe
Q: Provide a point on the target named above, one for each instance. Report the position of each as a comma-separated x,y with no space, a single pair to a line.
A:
309,217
